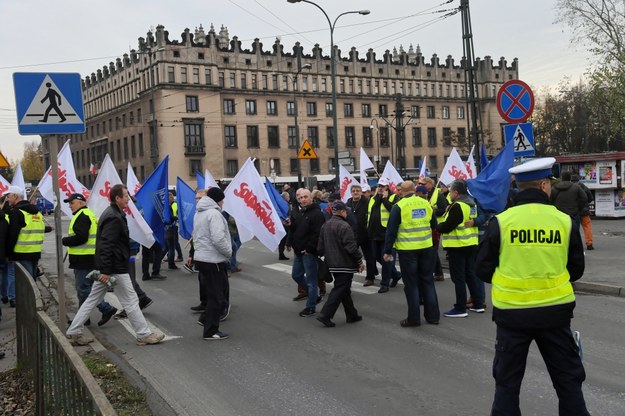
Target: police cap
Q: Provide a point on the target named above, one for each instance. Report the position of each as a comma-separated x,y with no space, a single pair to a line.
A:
533,170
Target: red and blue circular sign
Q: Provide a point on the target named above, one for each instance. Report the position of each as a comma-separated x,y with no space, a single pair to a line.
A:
515,101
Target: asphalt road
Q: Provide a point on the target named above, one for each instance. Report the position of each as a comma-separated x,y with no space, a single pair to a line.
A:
277,363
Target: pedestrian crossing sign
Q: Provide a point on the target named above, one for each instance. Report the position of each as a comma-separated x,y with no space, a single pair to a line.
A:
48,103
523,136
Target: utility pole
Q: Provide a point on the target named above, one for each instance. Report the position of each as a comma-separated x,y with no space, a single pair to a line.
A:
401,137
474,119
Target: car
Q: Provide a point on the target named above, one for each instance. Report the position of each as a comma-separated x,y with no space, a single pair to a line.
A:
45,206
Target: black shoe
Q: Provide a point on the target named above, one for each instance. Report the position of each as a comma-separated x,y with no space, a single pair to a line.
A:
406,323
179,259
394,282
307,312
354,319
87,323
5,300
590,247
319,299
432,322
383,289
326,321
188,269
283,258
121,315
300,296
144,278
368,282
145,302
106,316
12,303
158,277
173,267
439,278
2,354
198,308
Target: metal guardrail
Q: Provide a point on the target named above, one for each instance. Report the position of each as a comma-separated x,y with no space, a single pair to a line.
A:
63,384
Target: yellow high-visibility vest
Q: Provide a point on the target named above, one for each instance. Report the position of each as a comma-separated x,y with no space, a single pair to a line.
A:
541,233
462,236
30,238
88,248
414,232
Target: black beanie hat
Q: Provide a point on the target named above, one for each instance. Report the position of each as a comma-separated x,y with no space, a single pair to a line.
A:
215,194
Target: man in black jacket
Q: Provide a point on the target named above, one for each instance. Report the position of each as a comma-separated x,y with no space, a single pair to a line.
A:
112,257
306,222
338,244
359,205
81,252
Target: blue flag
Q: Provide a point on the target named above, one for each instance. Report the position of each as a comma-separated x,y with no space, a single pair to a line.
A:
185,197
483,158
490,188
200,181
276,199
154,200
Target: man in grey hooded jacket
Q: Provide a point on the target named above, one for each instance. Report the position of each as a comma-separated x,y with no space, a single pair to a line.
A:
213,249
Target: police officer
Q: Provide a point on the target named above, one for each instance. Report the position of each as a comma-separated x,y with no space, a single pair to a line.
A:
81,251
409,231
533,300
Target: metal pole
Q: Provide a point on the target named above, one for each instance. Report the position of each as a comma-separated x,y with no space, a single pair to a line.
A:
54,149
297,142
154,136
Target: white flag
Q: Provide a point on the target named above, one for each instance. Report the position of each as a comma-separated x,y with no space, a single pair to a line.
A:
209,181
4,185
392,176
365,163
347,180
68,183
18,179
470,165
424,168
248,202
454,168
99,200
132,182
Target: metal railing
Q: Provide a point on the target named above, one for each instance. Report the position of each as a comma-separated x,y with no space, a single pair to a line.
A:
63,384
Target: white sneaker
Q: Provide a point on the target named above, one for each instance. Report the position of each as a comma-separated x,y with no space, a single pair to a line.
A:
79,339
150,339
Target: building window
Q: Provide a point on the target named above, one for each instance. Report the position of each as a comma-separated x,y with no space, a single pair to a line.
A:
192,104
416,137
139,117
222,79
330,136
329,110
314,84
384,137
431,137
462,132
229,106
314,165
367,136
304,83
196,75
277,168
207,76
193,138
431,113
265,82
348,108
250,107
125,148
383,110
285,83
141,153
416,160
291,132
171,74
366,110
311,108
350,139
446,136
415,111
433,163
313,136
273,135
195,166
290,108
293,165
133,146
233,80
460,113
132,120
274,81
230,134
272,108
232,167
183,75
445,112
254,82
243,80
252,137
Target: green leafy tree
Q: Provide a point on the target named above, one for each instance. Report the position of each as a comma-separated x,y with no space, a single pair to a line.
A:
32,162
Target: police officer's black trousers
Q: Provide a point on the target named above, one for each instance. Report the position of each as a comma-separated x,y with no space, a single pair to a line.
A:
561,356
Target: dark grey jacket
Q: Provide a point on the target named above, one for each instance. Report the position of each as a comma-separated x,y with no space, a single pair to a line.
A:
569,198
337,243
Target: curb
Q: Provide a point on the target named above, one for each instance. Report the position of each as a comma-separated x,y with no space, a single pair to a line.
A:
599,289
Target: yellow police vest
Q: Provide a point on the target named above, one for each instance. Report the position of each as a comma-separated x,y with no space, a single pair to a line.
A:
30,238
384,213
414,232
434,198
88,248
541,233
462,236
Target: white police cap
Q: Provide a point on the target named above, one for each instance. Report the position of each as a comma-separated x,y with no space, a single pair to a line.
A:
533,170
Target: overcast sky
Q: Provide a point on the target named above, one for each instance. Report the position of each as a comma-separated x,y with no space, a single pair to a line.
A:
82,36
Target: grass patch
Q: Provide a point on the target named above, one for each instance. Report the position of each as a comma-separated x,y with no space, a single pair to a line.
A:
125,398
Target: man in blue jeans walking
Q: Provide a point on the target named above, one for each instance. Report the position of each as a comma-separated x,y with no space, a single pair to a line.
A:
306,222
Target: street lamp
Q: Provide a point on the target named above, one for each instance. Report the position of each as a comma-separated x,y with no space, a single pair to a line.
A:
333,68
299,163
377,129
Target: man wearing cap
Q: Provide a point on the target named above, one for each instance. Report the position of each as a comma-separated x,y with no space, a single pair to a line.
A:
212,250
337,243
378,211
81,242
359,205
26,229
534,300
410,233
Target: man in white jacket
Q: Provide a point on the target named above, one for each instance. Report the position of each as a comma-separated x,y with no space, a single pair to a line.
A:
213,249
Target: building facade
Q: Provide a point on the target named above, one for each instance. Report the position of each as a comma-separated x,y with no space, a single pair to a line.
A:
208,103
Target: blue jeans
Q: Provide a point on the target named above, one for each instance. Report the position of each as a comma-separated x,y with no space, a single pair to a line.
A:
462,271
389,271
304,273
7,288
417,267
236,244
83,288
30,266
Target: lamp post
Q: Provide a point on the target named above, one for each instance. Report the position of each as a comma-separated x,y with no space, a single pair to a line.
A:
377,129
297,143
333,68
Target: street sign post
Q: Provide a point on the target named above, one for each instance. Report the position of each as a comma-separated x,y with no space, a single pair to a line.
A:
515,101
523,136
